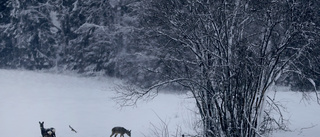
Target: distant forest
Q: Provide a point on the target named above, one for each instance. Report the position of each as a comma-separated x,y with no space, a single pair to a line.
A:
148,41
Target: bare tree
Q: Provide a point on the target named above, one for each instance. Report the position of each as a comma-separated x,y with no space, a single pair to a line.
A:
227,54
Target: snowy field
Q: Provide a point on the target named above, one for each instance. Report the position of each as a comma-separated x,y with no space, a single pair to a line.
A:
302,111
86,104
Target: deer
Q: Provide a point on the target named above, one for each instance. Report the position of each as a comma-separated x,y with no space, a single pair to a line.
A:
121,131
47,132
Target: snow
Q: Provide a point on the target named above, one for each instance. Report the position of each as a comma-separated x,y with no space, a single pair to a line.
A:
27,97
113,3
86,104
302,111
54,19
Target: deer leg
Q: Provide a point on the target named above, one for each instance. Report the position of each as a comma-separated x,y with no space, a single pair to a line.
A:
112,134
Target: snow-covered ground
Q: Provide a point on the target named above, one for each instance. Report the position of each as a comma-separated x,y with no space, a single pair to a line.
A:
302,111
86,104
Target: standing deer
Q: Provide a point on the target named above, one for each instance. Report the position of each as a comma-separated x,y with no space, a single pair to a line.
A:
121,131
47,132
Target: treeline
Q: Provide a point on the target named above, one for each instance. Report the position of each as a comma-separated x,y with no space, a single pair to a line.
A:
138,40
81,35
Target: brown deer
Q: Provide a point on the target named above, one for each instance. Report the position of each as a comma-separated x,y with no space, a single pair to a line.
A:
121,131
